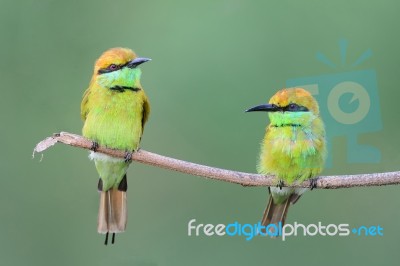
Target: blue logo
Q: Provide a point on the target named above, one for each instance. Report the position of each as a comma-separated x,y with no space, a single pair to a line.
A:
249,231
368,231
349,105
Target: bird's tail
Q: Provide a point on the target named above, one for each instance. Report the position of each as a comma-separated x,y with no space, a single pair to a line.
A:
113,211
275,213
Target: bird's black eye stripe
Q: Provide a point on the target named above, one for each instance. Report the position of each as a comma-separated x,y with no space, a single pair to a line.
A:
293,107
112,68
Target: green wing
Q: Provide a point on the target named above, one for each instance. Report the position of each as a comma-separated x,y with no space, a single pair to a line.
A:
85,104
146,112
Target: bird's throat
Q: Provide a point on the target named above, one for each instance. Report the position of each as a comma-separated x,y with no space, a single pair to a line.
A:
291,119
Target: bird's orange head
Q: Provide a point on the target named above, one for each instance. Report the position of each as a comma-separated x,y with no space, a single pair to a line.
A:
294,106
289,98
118,68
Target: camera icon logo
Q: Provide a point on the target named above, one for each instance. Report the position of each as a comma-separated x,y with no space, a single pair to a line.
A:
349,105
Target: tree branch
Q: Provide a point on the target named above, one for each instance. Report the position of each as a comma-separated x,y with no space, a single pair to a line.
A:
245,179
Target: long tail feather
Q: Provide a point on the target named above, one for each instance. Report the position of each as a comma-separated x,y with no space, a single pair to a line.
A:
275,213
112,211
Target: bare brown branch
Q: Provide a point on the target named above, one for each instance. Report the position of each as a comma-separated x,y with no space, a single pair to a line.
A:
245,179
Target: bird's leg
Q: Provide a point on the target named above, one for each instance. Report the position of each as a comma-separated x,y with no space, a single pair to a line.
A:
280,184
94,146
313,183
128,156
113,239
106,241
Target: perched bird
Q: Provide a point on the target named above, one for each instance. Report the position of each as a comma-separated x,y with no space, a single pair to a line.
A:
114,109
293,149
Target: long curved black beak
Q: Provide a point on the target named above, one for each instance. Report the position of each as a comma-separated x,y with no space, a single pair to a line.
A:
264,108
137,61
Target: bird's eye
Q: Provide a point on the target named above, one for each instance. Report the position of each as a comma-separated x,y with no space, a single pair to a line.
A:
113,67
292,106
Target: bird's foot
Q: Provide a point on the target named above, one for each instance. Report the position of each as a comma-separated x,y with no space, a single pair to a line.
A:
94,146
280,184
128,156
313,183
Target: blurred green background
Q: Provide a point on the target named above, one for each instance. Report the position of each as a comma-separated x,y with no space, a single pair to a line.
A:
211,61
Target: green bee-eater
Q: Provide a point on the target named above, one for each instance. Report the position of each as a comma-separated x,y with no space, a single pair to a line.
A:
293,148
114,109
